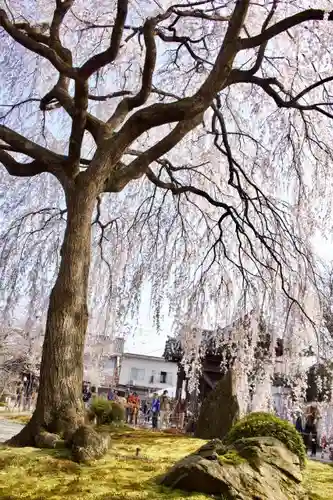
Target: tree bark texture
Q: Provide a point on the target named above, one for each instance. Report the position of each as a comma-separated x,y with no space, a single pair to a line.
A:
59,407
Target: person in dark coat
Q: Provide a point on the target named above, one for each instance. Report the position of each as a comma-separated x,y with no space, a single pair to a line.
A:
299,423
155,410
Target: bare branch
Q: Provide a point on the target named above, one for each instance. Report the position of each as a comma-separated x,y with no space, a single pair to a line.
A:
178,190
262,48
119,93
283,26
201,14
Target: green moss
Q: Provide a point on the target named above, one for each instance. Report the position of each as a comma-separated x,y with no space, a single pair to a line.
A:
231,457
32,474
262,424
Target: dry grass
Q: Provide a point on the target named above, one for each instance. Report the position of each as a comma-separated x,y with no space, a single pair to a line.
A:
31,474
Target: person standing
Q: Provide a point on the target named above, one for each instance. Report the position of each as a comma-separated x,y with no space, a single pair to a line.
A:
128,407
111,395
180,413
155,410
136,408
299,423
86,395
165,409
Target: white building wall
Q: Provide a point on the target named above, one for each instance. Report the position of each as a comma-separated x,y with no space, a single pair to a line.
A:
147,371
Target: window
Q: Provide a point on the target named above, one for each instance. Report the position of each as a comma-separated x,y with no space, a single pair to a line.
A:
137,374
110,364
163,377
152,377
169,378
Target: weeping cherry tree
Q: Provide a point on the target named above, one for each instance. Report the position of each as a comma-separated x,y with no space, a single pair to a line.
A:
181,144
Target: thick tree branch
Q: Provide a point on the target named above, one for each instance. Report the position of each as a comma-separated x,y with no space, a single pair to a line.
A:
129,103
78,125
18,169
186,111
97,62
59,94
122,176
40,49
62,7
283,26
34,32
102,98
27,147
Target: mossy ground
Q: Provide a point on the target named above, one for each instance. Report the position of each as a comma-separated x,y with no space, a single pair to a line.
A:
318,480
32,474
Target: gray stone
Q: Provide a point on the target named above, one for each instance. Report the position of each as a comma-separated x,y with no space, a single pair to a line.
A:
220,410
252,469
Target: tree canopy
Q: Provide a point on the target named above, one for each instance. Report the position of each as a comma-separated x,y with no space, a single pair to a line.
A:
205,130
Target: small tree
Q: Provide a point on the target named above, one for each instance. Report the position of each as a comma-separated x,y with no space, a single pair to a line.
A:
186,109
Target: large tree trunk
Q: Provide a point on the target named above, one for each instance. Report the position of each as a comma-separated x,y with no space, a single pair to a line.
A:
59,406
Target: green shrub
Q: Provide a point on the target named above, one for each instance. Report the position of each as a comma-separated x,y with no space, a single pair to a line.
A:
101,408
118,412
2,404
106,411
260,424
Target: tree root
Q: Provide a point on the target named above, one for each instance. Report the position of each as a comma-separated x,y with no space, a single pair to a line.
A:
88,445
48,440
25,438
85,443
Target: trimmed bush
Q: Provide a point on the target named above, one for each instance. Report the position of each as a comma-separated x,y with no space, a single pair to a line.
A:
106,411
102,409
260,424
118,412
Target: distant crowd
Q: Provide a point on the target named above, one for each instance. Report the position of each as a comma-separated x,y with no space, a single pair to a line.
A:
160,411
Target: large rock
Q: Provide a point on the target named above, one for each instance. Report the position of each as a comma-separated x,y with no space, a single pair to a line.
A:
251,469
88,445
220,410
